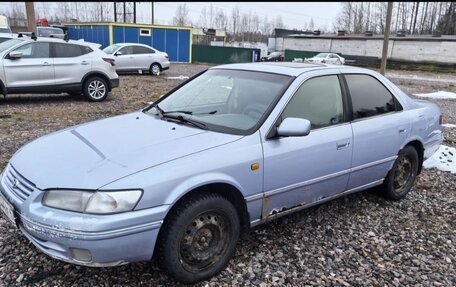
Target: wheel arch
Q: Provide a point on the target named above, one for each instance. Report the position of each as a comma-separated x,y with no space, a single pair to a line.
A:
418,145
228,191
96,74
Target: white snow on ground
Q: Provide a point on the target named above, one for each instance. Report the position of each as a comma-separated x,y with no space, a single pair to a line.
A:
438,95
181,77
449,125
444,159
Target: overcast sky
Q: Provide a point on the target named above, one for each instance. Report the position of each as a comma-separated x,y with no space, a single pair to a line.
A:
294,14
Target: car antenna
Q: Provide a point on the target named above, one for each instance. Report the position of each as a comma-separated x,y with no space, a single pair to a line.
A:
33,36
20,35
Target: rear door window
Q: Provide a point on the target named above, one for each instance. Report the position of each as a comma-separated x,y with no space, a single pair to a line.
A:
369,97
67,50
142,50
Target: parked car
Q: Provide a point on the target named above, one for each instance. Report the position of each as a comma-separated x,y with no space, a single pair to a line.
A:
133,57
328,58
6,36
50,32
273,57
235,146
49,65
4,25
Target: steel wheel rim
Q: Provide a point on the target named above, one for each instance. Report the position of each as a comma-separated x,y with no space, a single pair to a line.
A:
204,241
402,173
155,69
97,89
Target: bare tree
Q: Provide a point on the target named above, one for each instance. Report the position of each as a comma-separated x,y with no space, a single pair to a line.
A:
181,18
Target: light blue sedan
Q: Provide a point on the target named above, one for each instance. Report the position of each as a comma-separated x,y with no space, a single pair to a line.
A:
231,148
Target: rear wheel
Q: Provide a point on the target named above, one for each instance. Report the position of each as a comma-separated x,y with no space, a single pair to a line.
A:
96,89
198,238
155,69
401,177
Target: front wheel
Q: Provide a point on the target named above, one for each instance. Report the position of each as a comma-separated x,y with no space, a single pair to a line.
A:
198,238
401,177
95,89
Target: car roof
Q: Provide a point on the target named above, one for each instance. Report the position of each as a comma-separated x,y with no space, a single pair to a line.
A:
285,68
58,40
129,44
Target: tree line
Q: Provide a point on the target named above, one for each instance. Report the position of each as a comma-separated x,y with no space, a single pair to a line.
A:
414,18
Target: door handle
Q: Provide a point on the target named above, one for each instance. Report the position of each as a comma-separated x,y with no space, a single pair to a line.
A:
46,64
343,145
402,131
84,63
131,57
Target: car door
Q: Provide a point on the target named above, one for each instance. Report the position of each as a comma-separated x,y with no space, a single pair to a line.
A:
379,129
126,60
71,63
144,57
306,169
34,68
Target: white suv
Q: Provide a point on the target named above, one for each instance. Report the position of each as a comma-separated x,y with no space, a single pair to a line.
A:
49,65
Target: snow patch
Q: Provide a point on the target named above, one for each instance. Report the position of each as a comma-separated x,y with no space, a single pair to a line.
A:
449,125
181,77
438,95
443,159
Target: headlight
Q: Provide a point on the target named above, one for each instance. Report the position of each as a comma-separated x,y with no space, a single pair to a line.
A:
100,202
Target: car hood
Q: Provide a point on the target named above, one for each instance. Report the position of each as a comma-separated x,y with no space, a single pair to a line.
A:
91,155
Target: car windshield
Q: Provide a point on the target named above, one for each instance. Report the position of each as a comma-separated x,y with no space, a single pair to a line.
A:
8,44
230,101
321,55
46,32
111,49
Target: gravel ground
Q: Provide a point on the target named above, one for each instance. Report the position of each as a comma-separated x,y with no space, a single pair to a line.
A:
358,240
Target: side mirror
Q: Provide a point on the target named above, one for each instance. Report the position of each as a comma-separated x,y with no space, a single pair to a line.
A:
117,53
15,55
294,127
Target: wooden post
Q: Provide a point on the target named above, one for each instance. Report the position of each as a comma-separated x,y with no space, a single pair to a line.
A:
31,21
386,37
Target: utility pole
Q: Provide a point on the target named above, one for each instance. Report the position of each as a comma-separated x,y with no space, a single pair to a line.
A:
134,12
115,12
30,11
152,12
389,13
125,14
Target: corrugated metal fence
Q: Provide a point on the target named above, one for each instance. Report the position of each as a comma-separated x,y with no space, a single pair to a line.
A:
224,55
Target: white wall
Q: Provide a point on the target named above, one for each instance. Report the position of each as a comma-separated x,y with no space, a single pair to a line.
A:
411,51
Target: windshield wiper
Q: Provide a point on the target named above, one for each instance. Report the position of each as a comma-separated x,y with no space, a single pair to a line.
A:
188,113
186,120
164,114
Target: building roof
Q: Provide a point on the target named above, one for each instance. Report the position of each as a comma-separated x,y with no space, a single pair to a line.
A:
376,37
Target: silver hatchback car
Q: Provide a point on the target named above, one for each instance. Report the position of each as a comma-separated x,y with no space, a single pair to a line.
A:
234,147
134,57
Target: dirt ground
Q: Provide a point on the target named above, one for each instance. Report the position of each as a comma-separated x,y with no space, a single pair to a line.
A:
360,240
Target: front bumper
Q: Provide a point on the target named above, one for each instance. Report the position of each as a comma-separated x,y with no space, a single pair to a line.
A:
110,240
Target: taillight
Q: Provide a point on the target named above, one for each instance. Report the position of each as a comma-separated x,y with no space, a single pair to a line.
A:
166,57
110,61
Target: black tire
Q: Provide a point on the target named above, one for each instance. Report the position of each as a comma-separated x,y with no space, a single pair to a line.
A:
155,69
205,226
96,89
402,175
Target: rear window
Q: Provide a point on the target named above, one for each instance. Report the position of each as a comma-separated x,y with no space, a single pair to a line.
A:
142,50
